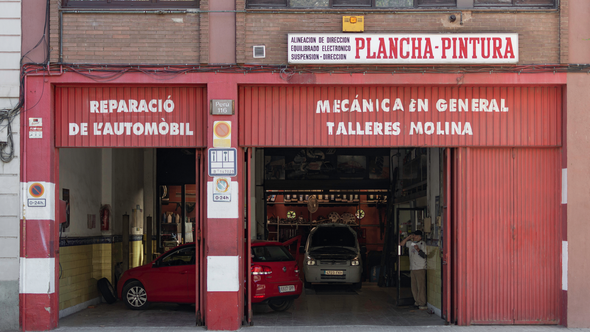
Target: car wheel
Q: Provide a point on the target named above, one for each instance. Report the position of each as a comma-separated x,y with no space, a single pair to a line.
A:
106,290
357,285
280,305
135,296
307,285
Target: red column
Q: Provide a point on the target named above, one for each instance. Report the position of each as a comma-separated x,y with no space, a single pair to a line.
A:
224,230
39,307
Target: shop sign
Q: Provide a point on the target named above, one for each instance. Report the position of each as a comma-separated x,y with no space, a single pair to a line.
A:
134,116
385,116
416,106
341,48
129,127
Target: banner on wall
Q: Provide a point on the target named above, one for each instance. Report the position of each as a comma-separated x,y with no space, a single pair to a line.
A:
387,116
346,48
130,116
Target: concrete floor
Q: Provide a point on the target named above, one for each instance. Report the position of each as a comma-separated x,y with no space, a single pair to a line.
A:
321,306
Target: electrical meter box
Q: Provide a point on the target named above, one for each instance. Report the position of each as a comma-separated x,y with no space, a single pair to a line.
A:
353,23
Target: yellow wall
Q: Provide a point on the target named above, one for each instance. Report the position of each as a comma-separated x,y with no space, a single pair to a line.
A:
433,277
135,254
82,266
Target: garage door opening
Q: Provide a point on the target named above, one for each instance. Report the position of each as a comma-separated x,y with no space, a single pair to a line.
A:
127,207
342,214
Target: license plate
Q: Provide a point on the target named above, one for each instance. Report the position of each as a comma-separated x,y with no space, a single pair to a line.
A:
285,289
333,273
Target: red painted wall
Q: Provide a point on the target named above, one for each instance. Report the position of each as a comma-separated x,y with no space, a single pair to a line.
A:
120,116
336,116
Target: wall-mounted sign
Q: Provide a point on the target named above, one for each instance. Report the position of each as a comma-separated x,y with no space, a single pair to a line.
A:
221,190
35,128
222,134
222,107
37,192
223,162
385,116
342,48
130,116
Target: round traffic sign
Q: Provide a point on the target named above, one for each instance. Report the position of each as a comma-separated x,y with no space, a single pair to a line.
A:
222,185
36,190
222,129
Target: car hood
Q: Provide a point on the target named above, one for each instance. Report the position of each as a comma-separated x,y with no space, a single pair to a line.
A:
343,253
139,269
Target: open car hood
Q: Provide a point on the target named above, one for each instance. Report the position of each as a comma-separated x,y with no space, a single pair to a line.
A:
342,253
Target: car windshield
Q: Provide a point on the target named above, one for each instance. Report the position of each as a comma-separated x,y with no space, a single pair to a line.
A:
333,236
271,254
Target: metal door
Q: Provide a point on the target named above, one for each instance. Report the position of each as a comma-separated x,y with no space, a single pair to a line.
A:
199,241
506,236
447,239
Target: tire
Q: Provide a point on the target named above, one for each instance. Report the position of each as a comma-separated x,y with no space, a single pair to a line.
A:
135,296
307,285
280,305
357,285
106,290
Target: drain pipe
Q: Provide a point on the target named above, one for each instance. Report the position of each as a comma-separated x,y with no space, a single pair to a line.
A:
61,37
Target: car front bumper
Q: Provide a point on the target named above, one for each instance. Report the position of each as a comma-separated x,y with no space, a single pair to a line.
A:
332,274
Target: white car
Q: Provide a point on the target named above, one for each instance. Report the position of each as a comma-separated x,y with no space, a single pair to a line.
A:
332,255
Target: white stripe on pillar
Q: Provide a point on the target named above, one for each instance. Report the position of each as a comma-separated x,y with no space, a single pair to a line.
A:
37,275
564,263
564,186
223,274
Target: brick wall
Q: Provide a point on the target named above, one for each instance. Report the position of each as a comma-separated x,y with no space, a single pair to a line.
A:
538,32
204,33
184,38
563,32
128,38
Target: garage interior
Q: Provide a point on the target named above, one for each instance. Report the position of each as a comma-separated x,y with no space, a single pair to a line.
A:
375,191
113,196
383,194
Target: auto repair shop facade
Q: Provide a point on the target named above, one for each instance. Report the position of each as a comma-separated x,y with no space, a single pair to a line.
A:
505,215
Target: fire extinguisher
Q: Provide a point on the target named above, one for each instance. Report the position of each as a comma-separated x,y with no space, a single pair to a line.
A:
104,217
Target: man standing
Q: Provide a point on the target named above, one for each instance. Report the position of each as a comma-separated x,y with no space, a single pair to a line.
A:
417,267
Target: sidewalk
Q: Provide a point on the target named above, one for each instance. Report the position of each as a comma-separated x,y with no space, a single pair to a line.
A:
527,328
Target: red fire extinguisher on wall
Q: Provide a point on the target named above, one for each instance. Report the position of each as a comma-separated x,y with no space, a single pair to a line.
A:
105,215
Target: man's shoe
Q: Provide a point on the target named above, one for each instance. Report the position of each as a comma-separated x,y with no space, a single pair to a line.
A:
422,307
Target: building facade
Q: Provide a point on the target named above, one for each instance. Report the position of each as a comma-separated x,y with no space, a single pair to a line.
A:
492,90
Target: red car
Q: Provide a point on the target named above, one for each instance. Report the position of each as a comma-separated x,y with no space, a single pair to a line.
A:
171,278
275,275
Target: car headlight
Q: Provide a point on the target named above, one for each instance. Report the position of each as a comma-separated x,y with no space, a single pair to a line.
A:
311,261
355,261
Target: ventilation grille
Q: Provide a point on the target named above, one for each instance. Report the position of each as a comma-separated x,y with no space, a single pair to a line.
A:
259,51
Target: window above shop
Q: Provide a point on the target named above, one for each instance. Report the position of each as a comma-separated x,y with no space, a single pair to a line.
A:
514,3
358,4
118,4
397,4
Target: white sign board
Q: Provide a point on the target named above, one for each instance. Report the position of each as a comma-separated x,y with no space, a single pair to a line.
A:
223,162
347,48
